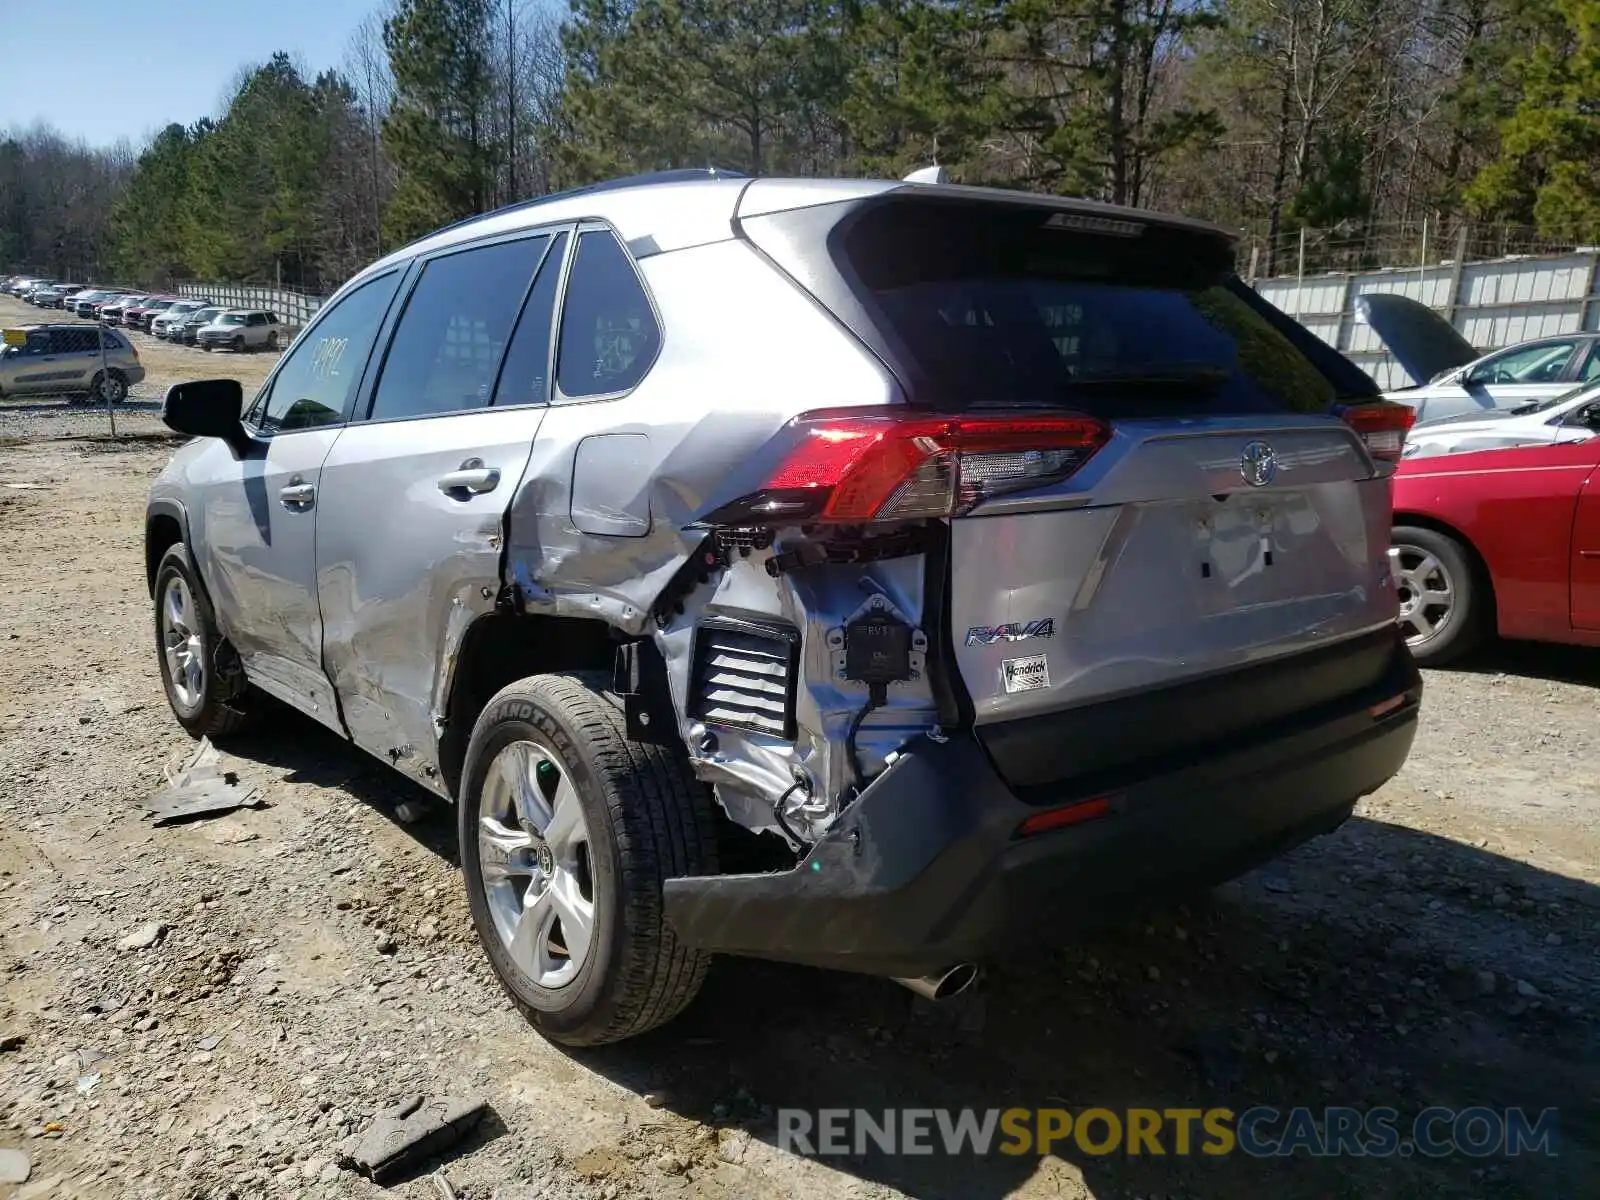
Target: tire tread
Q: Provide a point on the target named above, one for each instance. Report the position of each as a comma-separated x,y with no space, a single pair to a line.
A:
663,825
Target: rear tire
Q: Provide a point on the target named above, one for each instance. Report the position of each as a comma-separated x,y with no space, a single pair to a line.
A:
645,818
238,344
272,341
200,671
1443,601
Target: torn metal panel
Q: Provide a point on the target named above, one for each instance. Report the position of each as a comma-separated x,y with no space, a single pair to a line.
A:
201,788
752,771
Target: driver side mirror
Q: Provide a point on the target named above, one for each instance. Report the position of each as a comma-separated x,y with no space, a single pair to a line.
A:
208,408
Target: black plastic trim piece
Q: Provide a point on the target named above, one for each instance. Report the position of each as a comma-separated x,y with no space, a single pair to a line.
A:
944,675
925,870
1034,754
782,634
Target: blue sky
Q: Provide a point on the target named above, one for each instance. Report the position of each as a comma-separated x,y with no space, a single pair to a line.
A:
104,69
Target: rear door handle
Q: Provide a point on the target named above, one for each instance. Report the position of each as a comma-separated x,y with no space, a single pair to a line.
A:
470,480
298,495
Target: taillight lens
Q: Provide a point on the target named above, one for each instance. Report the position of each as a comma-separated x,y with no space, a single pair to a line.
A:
1382,424
856,466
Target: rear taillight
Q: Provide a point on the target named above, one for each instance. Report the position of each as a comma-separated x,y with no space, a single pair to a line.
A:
1382,424
855,466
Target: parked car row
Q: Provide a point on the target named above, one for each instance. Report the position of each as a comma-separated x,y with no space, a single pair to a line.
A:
187,322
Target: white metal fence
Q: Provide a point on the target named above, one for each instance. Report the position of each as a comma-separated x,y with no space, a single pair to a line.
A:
295,308
1493,304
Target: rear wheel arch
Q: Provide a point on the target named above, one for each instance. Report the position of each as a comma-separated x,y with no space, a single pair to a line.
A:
500,648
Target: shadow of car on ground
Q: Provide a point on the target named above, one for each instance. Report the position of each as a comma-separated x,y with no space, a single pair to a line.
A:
1377,966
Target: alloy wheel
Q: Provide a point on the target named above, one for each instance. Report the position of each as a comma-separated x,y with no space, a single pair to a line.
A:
534,860
1428,595
181,643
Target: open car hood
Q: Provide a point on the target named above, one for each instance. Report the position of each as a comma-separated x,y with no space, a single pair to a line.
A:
1423,342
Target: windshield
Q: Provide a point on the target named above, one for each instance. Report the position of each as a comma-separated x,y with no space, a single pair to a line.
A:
207,314
232,319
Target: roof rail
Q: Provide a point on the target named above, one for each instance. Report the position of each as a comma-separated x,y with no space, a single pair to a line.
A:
675,175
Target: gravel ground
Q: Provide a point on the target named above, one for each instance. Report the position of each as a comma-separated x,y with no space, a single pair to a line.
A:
315,961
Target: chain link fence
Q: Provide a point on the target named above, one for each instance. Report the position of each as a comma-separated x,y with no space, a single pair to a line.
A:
1435,241
1542,288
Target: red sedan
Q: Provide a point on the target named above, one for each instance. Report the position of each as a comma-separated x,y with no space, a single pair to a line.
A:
1500,542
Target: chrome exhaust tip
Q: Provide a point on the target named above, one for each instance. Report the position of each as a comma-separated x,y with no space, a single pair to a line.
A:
942,985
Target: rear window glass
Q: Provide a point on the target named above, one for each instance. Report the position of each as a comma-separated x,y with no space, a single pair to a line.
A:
1001,306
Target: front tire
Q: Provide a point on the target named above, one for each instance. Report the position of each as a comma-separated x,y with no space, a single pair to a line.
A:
567,830
1443,602
200,672
111,386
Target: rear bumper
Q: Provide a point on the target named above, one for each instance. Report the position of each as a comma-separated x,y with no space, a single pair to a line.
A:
926,868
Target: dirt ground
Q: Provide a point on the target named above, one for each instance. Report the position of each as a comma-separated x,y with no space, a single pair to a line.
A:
317,961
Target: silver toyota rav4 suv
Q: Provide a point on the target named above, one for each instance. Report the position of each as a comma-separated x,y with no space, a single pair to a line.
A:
870,575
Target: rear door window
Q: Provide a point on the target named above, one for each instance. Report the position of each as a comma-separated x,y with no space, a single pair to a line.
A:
449,341
525,377
1002,306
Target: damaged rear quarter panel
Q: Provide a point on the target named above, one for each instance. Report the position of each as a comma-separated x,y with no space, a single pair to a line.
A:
743,352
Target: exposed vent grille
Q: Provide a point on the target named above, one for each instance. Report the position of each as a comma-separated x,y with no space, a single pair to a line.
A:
744,675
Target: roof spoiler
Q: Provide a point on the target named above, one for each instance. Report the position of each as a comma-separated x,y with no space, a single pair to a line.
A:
933,174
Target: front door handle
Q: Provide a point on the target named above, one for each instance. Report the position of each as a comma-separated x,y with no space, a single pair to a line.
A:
298,496
471,480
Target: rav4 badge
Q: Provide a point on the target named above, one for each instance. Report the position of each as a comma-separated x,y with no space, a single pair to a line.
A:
1014,631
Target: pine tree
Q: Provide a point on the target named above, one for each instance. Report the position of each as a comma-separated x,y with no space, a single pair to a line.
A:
436,128
1548,169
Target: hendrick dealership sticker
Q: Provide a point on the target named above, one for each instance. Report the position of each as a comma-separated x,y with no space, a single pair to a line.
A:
1026,674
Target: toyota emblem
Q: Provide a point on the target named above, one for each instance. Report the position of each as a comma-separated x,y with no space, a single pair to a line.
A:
1257,464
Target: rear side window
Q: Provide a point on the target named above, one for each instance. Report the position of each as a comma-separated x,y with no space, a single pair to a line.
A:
1002,306
609,334
449,341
